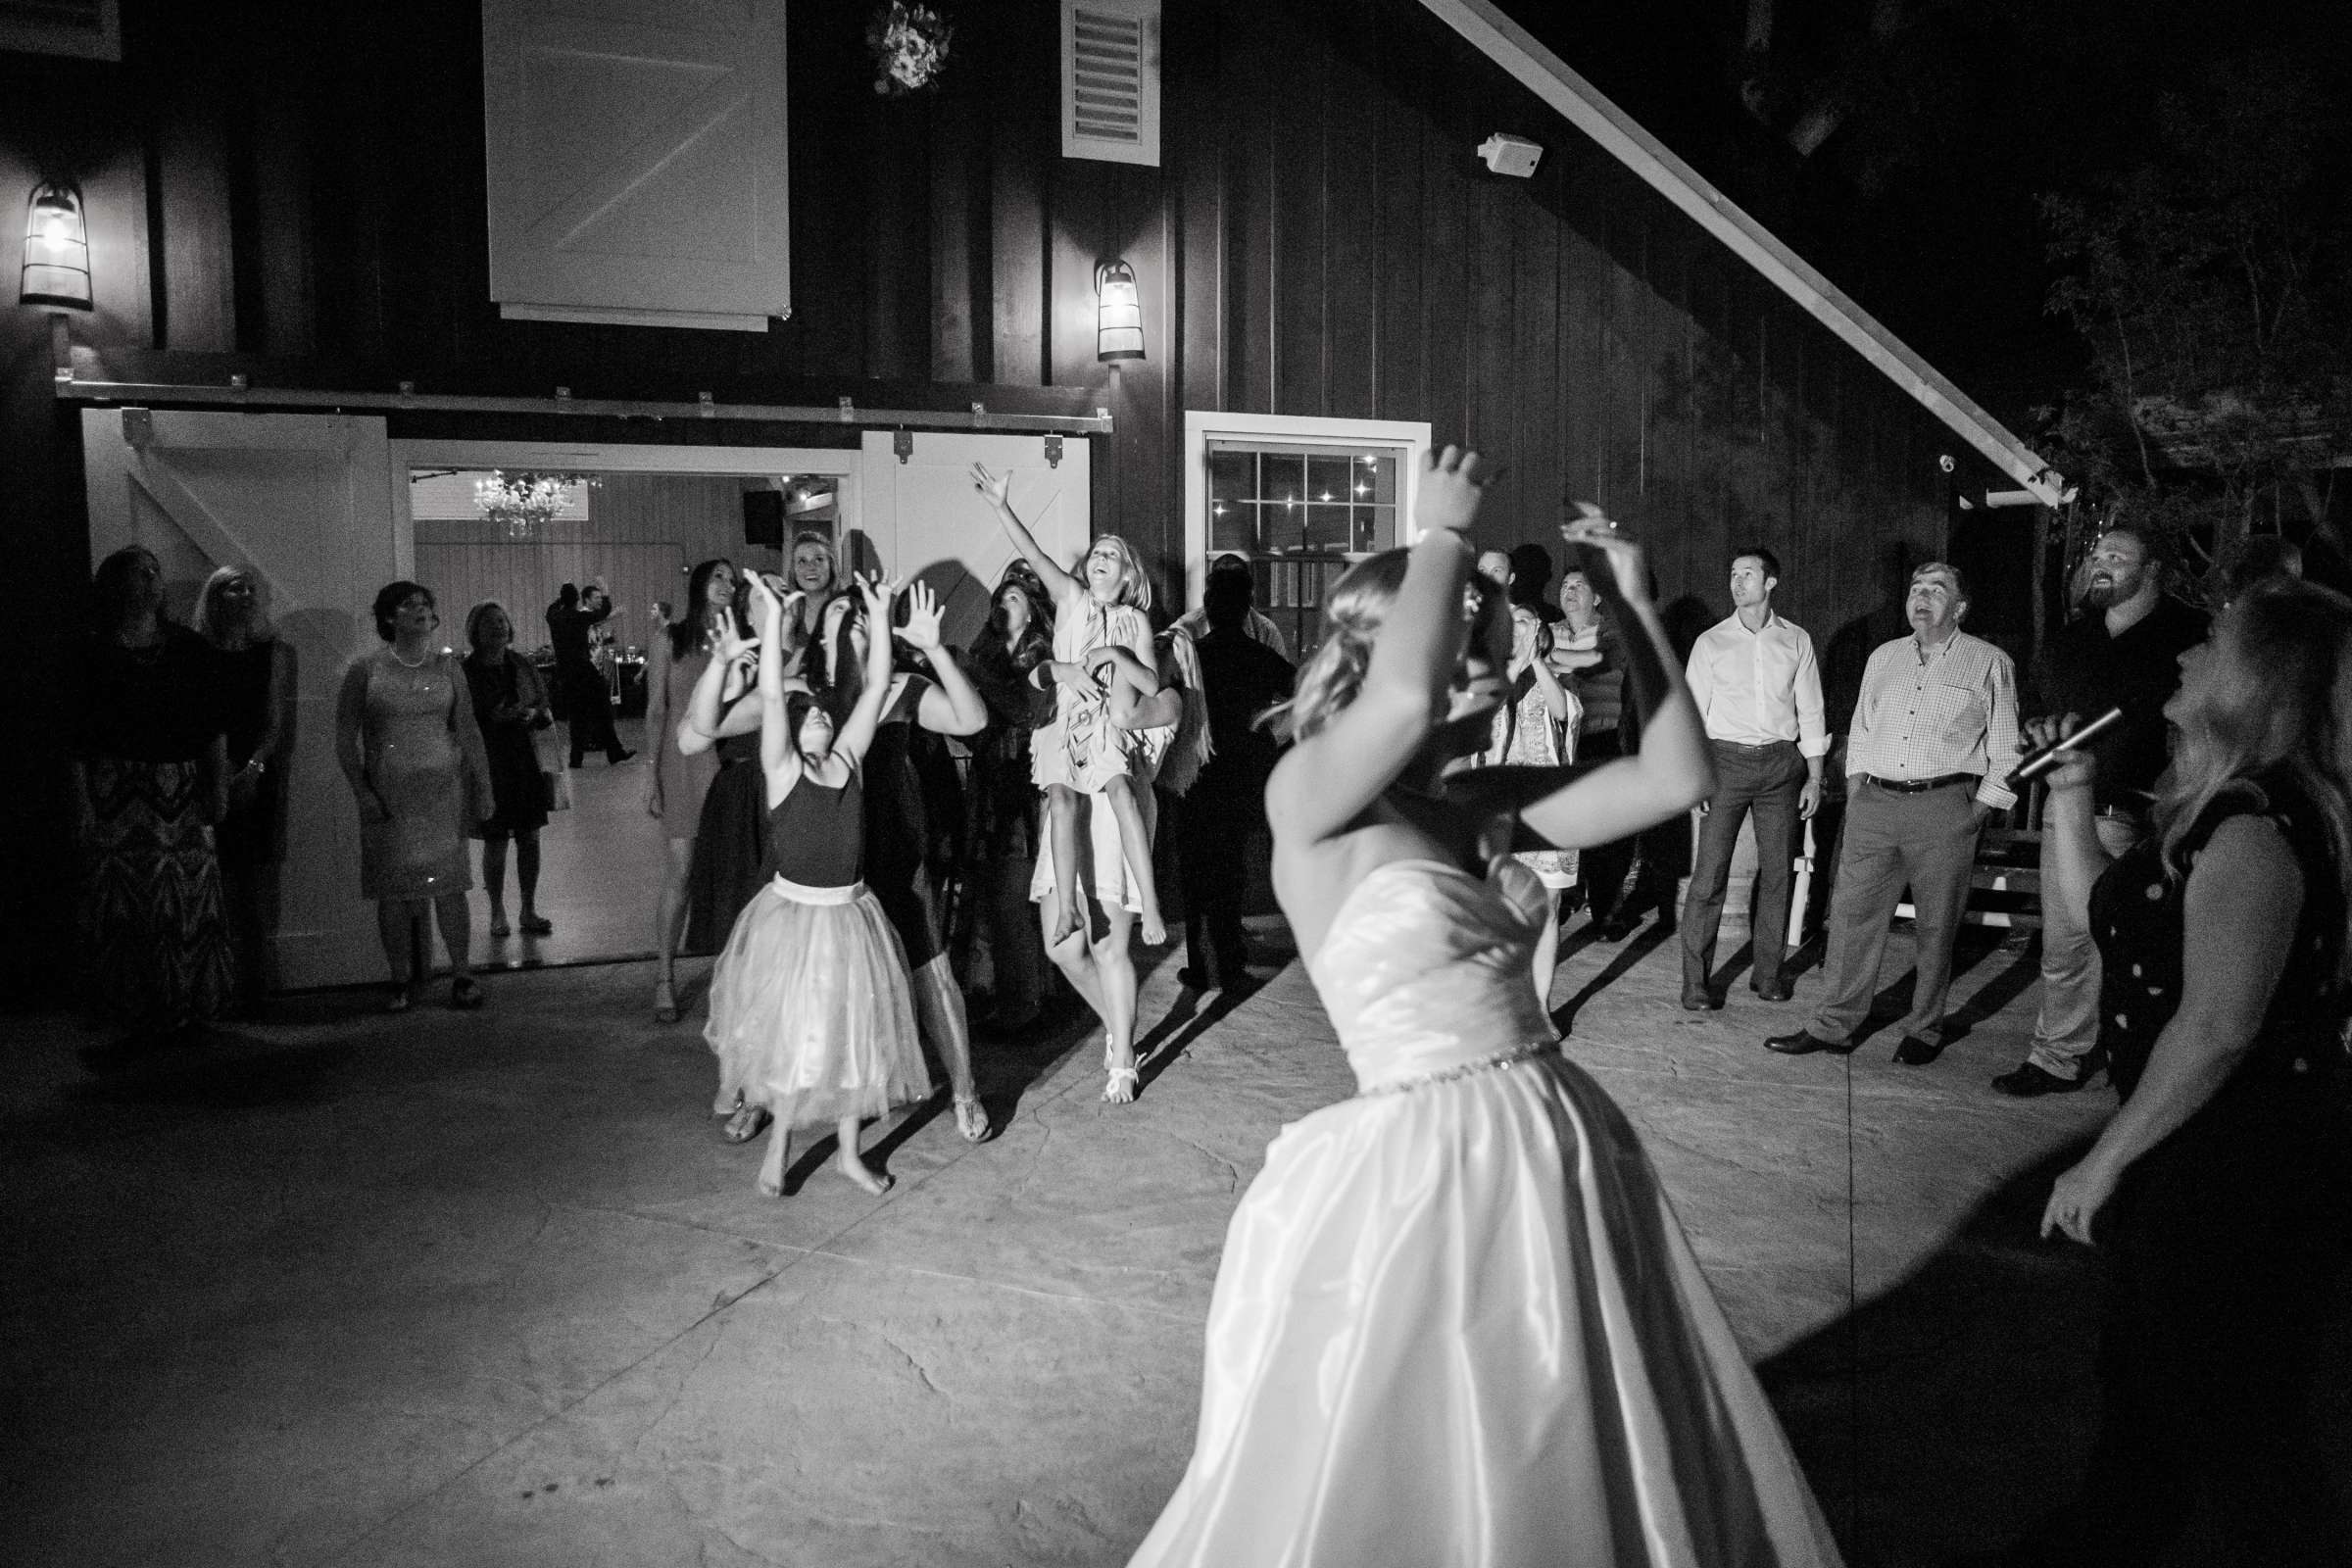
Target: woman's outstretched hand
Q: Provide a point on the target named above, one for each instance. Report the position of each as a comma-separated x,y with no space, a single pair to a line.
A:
995,490
1599,531
767,610
878,592
921,631
1452,483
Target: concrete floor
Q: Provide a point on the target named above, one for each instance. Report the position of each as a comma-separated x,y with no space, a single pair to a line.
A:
457,1288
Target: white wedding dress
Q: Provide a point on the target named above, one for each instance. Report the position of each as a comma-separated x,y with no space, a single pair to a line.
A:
1457,1324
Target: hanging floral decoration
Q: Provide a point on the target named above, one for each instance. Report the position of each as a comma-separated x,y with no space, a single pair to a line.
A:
526,500
910,47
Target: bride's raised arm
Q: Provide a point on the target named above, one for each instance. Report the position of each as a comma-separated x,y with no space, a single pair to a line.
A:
1673,770
1328,778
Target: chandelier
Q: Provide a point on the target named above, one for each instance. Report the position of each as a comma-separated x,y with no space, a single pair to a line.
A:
526,500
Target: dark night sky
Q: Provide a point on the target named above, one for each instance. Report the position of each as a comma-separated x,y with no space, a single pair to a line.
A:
1921,203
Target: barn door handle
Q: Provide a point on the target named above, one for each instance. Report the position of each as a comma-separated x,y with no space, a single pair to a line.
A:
138,427
903,443
1053,452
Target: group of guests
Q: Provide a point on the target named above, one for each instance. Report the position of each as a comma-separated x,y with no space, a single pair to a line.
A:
2194,863
178,737
2215,894
789,808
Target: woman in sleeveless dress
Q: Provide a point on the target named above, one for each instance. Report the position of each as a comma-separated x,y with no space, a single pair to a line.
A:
898,822
809,1012
1456,1320
2220,1194
413,755
680,780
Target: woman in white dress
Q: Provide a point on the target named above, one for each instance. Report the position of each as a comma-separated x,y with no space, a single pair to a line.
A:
1458,1322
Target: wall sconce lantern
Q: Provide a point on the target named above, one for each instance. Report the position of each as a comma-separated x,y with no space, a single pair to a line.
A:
1119,312
57,250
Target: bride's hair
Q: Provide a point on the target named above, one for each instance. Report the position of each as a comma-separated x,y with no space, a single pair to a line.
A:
1353,611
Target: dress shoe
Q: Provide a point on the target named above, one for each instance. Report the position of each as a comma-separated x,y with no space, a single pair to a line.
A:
1701,1001
1773,990
1804,1042
2025,1081
1612,930
1916,1052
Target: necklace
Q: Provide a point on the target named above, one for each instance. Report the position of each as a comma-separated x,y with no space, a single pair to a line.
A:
405,663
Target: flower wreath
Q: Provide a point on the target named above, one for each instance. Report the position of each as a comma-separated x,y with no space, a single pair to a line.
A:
910,47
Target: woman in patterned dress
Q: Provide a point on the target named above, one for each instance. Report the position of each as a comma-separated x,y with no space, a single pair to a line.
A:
150,779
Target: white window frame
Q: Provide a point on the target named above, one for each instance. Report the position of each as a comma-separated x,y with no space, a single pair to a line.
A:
1203,425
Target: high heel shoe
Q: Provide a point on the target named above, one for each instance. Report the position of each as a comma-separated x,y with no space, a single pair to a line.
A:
1121,1084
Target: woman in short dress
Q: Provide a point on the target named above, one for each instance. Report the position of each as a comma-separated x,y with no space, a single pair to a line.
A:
407,740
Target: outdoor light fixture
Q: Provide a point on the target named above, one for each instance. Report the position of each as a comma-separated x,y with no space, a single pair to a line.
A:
1119,317
57,250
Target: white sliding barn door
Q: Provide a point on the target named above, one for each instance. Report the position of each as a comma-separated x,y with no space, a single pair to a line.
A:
304,499
922,517
637,161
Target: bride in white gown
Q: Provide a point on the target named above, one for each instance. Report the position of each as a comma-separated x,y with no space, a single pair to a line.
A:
1458,1322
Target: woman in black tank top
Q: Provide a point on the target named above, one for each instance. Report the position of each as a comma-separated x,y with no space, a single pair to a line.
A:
810,1017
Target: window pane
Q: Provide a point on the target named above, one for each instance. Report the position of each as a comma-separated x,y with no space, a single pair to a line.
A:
1330,478
1381,471
1327,527
1233,477
1233,525
1282,476
1375,529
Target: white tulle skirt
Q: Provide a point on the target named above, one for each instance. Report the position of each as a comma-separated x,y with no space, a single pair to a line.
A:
810,1002
1458,1324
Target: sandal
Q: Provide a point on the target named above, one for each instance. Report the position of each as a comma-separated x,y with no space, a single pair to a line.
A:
972,1119
536,925
666,1002
748,1122
1122,1086
500,930
464,994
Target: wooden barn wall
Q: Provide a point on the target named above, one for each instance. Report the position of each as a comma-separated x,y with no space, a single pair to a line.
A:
298,192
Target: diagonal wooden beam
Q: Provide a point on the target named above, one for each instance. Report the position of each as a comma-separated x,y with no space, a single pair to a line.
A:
1582,104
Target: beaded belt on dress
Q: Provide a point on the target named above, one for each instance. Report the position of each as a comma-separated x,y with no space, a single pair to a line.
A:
1501,1058
802,893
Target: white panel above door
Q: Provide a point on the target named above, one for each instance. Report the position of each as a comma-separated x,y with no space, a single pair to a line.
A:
924,520
304,499
637,161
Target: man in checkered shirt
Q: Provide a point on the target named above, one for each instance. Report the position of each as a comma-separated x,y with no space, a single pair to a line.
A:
1935,736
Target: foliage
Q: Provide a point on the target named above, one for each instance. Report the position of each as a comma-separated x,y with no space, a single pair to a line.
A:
2211,285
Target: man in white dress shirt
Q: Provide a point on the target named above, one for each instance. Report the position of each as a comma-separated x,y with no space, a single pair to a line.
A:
1758,691
1933,738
